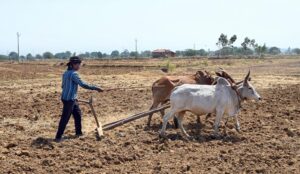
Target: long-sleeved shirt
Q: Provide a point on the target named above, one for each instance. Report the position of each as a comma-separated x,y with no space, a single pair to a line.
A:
70,82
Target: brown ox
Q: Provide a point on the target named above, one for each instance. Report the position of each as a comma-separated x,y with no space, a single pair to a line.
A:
162,88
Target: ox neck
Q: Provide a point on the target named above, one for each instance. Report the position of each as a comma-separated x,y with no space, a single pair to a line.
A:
238,93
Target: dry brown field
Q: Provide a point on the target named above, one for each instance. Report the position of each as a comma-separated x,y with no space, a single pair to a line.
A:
30,109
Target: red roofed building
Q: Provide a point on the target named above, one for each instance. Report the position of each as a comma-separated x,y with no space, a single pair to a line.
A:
162,53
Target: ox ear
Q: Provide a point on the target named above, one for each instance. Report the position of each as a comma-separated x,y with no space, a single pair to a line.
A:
245,83
200,73
207,73
218,74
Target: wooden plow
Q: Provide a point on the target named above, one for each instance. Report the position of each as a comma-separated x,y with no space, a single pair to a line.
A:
100,128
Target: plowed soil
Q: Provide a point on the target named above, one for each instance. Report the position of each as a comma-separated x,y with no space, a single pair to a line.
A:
30,108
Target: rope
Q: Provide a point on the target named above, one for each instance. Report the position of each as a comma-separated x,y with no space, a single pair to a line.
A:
133,87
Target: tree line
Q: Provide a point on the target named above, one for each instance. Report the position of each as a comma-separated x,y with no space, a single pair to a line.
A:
225,48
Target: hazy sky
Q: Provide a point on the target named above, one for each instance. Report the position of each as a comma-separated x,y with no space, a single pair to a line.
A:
105,25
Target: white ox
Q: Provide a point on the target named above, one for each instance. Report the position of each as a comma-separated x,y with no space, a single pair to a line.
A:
222,98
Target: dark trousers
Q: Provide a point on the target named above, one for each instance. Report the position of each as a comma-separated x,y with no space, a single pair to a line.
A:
70,107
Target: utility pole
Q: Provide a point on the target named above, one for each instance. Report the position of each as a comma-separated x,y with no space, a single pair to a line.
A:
136,49
18,41
194,48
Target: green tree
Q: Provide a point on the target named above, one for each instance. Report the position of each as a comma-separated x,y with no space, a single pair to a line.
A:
179,53
225,45
22,58
134,54
29,56
260,49
62,55
232,40
3,57
87,54
189,52
104,55
114,54
274,50
48,55
247,44
99,55
201,52
38,56
13,55
96,55
82,55
67,54
296,51
222,41
146,53
125,54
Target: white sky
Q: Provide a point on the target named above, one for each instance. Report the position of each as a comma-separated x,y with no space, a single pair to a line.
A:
106,25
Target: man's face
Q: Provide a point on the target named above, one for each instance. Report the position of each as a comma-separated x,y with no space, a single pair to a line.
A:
76,66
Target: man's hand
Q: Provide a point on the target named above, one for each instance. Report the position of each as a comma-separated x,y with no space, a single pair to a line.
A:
99,90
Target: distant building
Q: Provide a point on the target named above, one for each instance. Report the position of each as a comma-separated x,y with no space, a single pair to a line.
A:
162,53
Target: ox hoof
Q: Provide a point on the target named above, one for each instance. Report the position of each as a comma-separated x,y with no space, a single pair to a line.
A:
162,136
190,138
216,136
147,128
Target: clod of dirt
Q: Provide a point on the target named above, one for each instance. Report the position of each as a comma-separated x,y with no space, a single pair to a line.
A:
22,153
42,143
289,132
47,162
4,151
120,134
11,145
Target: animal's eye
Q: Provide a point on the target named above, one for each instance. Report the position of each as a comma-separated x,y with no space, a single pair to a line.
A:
250,88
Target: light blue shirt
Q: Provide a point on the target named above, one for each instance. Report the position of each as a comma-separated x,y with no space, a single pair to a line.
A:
70,82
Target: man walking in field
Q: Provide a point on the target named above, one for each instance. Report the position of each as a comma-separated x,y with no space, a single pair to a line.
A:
70,82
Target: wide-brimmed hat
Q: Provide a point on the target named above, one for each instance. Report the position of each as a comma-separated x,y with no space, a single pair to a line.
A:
74,60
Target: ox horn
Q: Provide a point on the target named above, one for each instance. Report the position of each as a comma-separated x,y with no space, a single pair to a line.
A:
247,77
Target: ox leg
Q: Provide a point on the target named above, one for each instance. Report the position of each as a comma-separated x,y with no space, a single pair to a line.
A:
165,122
162,112
199,124
154,105
175,120
225,125
180,118
198,119
219,116
207,116
237,123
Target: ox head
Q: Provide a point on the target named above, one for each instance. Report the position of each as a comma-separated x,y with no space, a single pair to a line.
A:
204,78
247,91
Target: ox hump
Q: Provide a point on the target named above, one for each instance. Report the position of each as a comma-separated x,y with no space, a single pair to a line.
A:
222,81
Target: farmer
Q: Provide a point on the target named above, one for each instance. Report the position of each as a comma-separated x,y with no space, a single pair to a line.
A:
70,82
